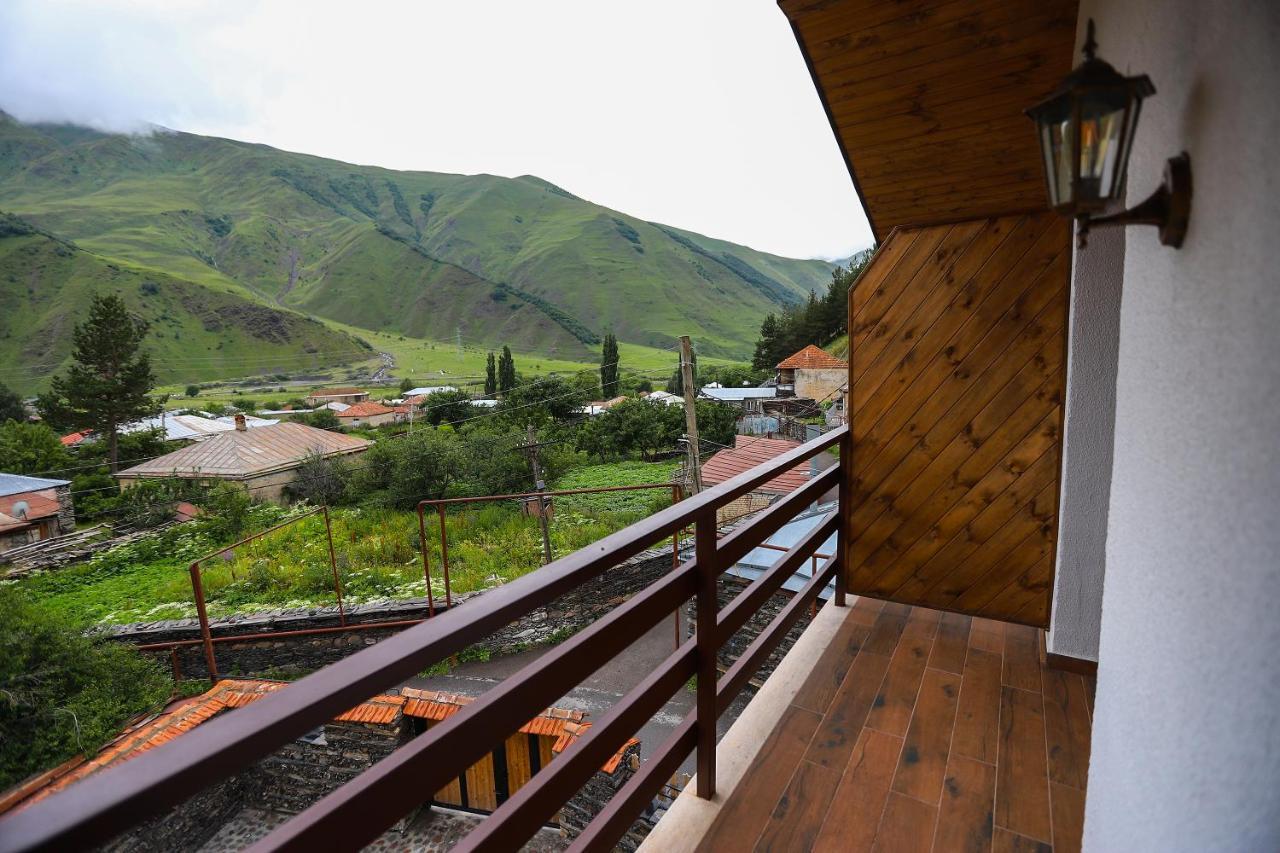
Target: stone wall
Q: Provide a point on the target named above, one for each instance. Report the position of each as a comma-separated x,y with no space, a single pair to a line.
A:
186,826
297,654
596,793
301,772
728,588
66,510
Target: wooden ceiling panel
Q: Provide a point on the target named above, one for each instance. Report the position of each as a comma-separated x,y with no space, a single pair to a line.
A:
926,98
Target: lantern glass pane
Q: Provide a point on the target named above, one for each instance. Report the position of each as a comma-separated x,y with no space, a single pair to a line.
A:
1102,122
1056,144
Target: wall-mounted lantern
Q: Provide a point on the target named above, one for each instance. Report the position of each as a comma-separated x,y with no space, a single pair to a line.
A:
1086,132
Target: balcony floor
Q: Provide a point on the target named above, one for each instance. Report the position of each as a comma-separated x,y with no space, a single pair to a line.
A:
919,730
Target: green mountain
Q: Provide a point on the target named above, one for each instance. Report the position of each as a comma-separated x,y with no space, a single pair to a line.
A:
197,331
516,261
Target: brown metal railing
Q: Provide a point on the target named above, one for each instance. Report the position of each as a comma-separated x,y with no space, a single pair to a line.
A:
197,588
101,806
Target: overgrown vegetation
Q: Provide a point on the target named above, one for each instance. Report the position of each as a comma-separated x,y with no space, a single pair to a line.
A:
63,692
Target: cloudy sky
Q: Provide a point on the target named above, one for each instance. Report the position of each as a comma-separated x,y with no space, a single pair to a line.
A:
696,113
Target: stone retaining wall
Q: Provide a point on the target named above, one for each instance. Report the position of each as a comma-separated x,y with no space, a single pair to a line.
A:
297,654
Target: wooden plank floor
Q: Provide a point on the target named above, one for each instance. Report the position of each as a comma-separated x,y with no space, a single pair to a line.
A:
920,730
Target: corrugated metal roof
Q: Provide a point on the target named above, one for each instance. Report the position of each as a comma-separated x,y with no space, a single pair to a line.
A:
747,453
759,559
812,358
737,394
12,484
240,453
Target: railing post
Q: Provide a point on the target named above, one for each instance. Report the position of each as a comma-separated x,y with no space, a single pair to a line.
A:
426,562
844,507
708,647
333,567
197,585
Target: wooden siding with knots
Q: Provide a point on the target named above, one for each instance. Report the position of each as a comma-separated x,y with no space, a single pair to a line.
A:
926,99
956,351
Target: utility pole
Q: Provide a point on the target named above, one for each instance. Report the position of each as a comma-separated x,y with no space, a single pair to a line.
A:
531,445
690,414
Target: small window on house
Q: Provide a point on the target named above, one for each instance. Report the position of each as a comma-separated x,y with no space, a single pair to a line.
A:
315,737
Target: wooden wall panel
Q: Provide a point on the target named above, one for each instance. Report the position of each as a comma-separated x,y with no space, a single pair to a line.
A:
957,371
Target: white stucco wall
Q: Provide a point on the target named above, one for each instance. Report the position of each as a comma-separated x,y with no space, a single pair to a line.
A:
1186,738
1080,567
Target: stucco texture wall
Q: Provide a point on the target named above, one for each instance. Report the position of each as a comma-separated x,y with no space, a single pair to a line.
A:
820,384
1186,736
1080,567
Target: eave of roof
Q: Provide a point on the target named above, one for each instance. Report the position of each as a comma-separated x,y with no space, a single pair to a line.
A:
926,98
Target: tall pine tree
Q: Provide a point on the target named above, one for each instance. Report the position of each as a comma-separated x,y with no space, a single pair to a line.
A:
767,346
609,367
506,370
109,381
490,376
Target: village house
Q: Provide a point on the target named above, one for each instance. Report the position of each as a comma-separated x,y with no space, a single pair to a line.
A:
264,460
367,414
812,373
300,773
599,407
33,509
349,396
749,452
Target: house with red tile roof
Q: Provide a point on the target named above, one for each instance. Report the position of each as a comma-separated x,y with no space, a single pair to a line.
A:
812,373
368,413
747,452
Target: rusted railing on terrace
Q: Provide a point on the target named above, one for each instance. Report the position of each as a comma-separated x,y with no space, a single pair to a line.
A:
105,804
442,504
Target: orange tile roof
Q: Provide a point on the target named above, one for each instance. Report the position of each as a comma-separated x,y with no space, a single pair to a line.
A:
72,439
564,725
179,718
367,409
748,452
812,358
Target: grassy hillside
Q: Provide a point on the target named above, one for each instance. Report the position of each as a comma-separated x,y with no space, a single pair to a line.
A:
197,332
517,261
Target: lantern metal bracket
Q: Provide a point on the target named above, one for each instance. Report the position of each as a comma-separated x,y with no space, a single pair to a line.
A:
1168,208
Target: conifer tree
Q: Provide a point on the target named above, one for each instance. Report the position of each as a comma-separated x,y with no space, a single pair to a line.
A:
490,376
609,367
506,370
767,346
109,381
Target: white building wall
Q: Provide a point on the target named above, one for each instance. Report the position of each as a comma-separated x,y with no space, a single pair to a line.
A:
1080,567
1186,738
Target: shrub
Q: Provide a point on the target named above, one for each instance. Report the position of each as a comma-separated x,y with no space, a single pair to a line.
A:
320,481
193,390
62,692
